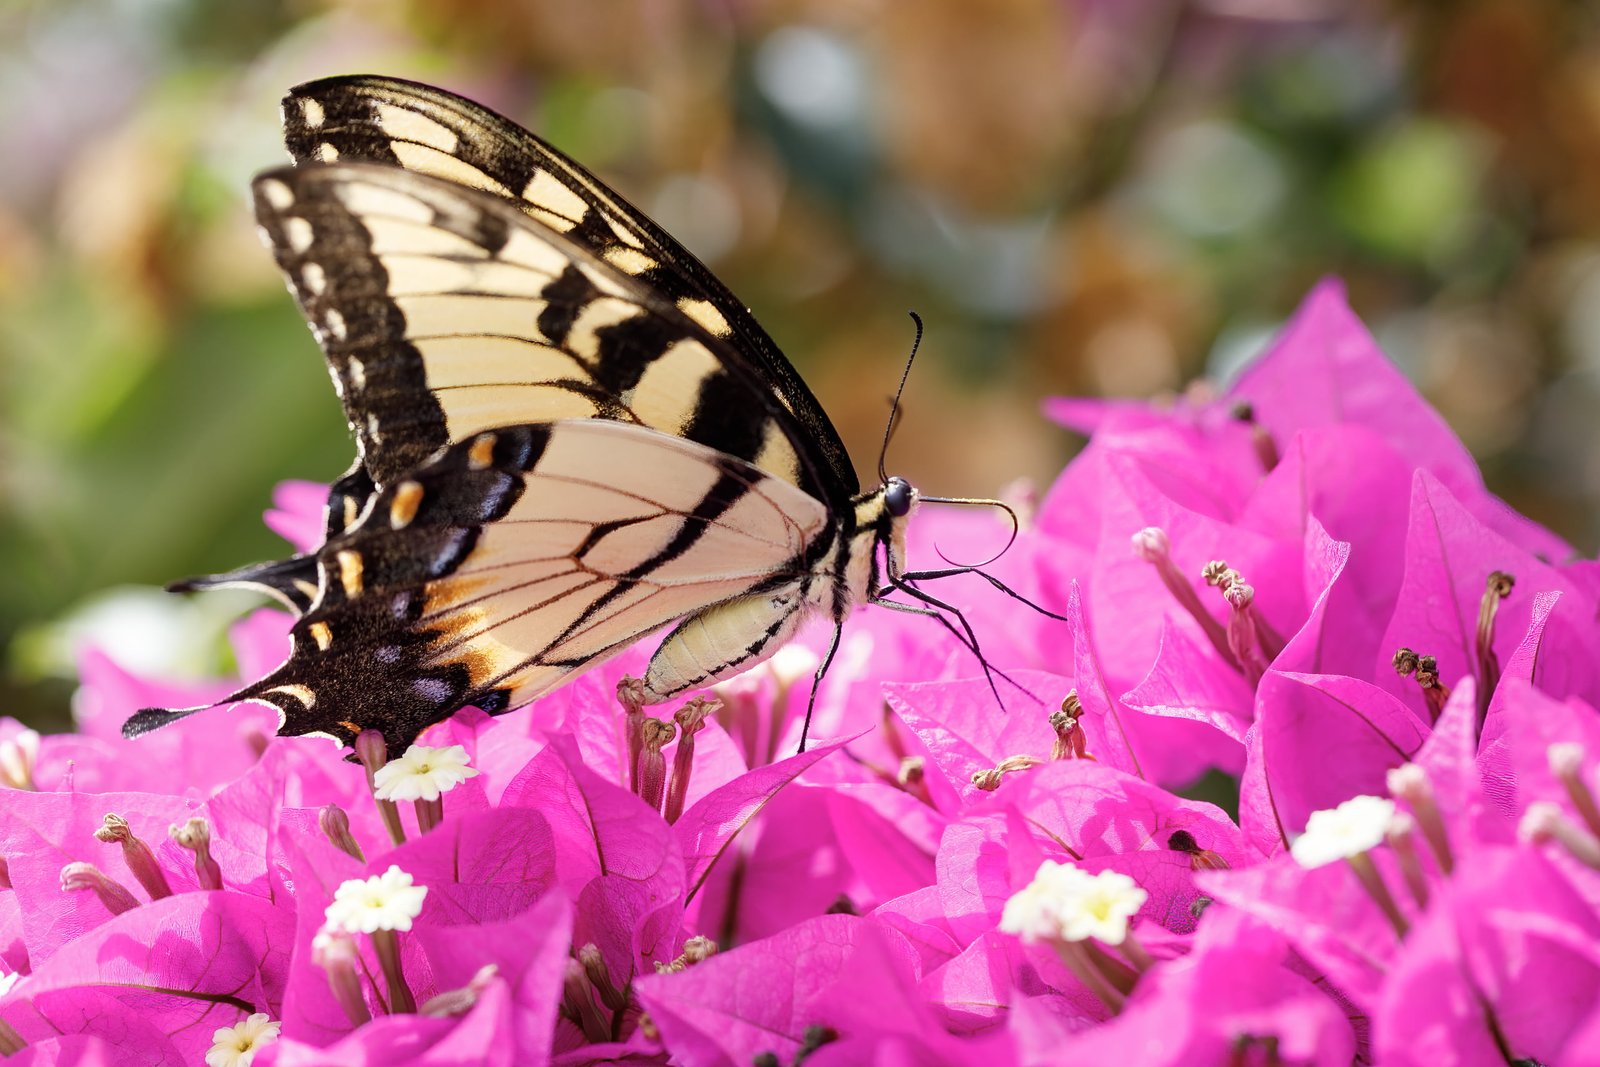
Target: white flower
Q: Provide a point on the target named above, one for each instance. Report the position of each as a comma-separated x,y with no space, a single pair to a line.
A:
793,662
1333,834
423,773
1102,907
17,759
1031,911
236,1046
387,901
1066,903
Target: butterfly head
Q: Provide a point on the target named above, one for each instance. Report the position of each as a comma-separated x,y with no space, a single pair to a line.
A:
887,514
898,497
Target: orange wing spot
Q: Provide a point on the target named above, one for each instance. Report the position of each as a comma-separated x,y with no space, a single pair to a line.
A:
353,727
403,508
481,454
322,634
350,569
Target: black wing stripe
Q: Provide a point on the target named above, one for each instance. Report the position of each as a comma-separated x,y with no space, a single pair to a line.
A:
443,593
379,230
429,130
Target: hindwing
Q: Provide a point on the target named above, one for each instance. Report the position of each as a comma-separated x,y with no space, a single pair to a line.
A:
511,560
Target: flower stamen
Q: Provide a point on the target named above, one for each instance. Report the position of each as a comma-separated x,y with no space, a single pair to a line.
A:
195,835
691,719
630,694
695,950
1496,588
1544,822
1410,783
1566,763
1151,545
136,854
373,752
335,824
1071,740
655,733
1266,448
1425,669
76,877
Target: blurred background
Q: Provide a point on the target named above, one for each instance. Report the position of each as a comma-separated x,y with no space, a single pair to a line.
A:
1080,196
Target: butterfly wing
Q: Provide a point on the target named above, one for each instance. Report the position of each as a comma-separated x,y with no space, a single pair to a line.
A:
444,311
429,131
511,560
415,127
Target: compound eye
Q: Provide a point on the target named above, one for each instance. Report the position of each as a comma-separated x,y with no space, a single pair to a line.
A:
897,497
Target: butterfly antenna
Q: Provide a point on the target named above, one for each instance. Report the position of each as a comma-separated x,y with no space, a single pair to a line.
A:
894,406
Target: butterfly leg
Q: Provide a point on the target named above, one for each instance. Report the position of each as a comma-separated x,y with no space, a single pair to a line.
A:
970,638
917,576
816,681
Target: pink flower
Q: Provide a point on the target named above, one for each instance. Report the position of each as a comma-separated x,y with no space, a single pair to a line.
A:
1232,583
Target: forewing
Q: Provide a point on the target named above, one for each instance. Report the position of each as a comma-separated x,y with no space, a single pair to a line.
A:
495,571
430,131
443,313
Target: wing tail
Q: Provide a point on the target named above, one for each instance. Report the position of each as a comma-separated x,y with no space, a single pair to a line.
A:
147,719
292,581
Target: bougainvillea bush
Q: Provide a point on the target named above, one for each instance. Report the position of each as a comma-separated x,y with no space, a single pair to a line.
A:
1299,585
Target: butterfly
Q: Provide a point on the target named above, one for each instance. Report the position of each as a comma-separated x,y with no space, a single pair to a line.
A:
569,434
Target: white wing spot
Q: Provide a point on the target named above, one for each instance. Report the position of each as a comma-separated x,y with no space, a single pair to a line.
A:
623,234
314,279
297,232
326,152
279,195
629,260
357,373
706,314
403,124
336,324
547,192
311,113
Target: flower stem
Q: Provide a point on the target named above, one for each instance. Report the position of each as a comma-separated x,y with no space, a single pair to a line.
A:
373,752
386,943
1372,881
1073,954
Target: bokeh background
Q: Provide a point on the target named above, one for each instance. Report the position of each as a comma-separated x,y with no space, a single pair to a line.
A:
1080,196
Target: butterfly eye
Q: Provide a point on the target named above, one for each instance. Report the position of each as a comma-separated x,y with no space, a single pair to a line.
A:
897,497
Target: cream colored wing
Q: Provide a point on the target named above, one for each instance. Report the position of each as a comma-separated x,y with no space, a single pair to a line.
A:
512,560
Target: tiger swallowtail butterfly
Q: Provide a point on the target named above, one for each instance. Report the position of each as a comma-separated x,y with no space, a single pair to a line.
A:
569,433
